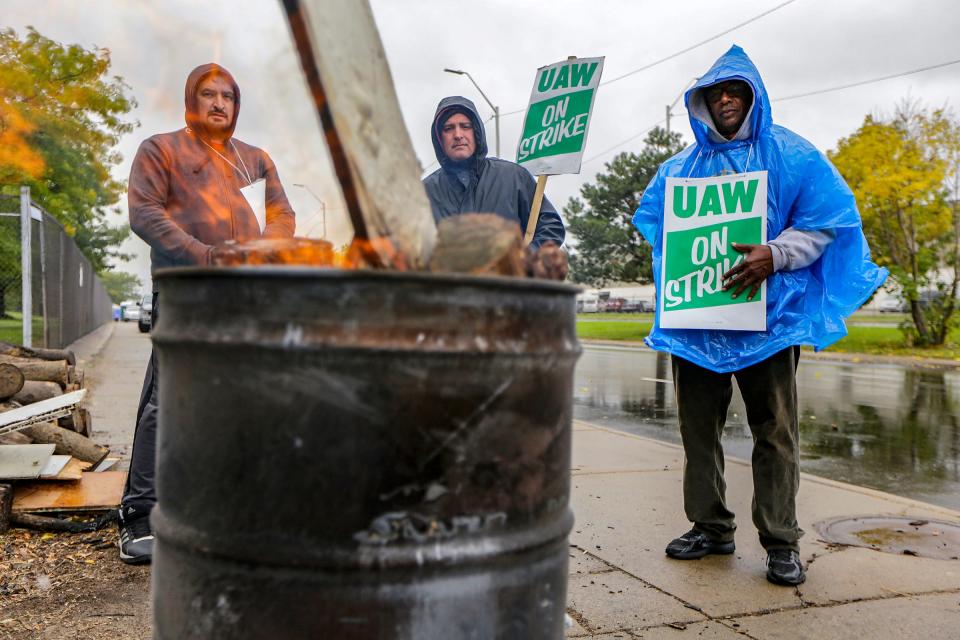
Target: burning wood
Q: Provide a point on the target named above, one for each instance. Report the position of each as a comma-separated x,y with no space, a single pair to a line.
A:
346,69
292,251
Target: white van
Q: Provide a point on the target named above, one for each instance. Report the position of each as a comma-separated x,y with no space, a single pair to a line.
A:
588,304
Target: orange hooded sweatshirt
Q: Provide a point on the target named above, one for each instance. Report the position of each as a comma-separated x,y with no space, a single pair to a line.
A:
184,198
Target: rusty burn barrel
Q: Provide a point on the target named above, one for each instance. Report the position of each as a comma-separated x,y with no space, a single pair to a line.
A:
361,455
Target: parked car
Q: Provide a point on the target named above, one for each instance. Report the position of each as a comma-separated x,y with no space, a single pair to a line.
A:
129,311
588,305
145,321
612,305
892,305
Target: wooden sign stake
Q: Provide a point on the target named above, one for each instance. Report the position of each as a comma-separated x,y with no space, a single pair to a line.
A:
537,201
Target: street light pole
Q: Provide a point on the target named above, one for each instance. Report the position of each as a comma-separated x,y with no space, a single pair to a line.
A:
323,205
496,109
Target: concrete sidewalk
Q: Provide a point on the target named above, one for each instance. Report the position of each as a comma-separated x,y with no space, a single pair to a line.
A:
627,501
627,497
114,358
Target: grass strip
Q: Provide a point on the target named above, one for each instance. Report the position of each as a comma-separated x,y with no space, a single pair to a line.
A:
867,340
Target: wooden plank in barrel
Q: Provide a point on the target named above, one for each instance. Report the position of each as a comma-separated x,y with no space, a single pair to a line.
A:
349,79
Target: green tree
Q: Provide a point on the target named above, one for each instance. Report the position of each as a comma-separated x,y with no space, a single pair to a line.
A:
607,247
121,285
61,116
9,259
902,170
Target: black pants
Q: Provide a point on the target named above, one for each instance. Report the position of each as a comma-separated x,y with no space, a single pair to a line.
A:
140,490
769,390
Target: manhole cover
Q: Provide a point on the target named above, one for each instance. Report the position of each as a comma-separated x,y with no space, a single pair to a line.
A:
905,536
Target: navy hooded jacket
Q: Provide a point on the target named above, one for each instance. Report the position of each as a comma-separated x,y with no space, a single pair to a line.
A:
804,192
492,185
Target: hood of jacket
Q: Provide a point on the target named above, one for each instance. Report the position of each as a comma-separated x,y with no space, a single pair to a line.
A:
196,120
733,65
448,107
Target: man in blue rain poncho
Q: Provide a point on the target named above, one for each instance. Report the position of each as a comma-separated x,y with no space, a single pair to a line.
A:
817,270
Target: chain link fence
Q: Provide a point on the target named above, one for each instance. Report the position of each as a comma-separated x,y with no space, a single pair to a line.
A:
65,298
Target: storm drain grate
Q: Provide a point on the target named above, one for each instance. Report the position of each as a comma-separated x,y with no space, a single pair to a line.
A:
890,534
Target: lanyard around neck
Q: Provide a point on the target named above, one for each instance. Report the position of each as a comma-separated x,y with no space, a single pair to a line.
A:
244,172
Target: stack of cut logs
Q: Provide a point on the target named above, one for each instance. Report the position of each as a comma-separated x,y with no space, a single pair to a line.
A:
32,375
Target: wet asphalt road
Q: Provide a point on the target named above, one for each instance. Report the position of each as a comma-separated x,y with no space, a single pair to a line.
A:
882,426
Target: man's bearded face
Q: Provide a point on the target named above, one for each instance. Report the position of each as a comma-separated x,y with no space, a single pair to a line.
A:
728,103
216,103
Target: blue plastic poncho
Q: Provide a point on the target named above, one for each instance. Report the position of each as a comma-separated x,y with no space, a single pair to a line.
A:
805,191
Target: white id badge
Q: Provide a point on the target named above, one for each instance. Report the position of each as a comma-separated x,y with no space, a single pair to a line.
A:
256,196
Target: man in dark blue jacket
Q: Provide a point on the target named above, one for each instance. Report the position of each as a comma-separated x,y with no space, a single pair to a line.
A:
468,181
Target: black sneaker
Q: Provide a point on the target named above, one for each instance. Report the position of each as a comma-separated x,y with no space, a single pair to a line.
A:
696,544
784,567
136,536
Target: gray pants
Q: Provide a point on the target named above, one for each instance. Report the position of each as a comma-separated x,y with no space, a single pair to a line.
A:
141,489
769,390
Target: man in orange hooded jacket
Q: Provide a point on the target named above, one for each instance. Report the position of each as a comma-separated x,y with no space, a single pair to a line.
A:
187,196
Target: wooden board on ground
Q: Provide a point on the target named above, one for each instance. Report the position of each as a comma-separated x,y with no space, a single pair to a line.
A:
24,461
348,76
93,492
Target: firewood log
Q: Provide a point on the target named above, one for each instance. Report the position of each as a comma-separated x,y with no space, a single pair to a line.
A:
6,503
479,243
11,380
37,390
75,376
78,421
49,370
17,351
15,437
67,442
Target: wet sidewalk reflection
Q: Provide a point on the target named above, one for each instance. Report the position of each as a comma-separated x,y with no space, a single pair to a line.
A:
886,427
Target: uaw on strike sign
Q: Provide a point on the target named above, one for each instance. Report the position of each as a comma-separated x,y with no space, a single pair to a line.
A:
702,217
555,127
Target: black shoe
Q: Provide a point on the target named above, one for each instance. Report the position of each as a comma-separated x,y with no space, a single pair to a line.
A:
784,567
696,544
136,536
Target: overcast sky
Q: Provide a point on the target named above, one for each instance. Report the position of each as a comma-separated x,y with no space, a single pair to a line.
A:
804,46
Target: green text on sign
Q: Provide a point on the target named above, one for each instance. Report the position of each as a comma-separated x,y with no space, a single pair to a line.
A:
712,199
568,76
555,126
693,272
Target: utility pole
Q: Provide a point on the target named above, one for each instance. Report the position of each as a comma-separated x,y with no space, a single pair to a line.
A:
671,106
496,110
26,289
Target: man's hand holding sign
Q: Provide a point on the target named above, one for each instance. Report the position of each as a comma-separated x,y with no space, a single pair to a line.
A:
756,267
